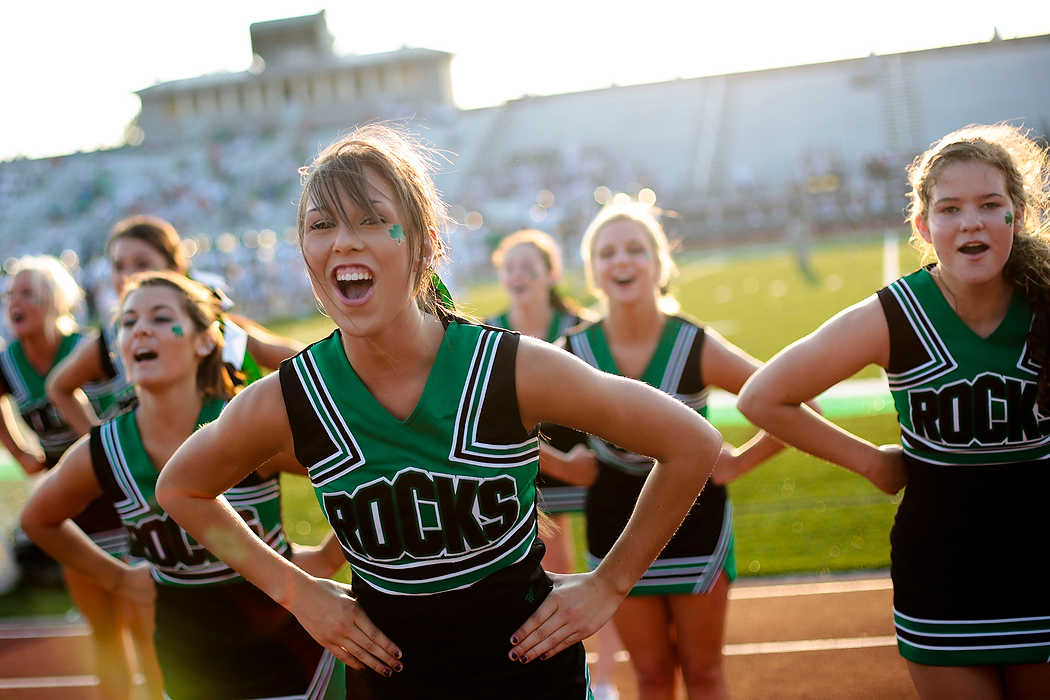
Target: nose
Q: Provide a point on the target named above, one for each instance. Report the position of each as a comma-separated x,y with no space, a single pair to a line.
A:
971,219
347,238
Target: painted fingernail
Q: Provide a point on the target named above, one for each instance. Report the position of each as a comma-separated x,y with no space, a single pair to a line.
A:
399,667
514,639
387,672
397,654
524,658
513,656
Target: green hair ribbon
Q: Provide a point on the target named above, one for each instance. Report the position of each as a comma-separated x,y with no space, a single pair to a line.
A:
444,297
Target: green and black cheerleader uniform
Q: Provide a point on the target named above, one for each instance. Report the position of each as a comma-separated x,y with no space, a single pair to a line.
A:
555,495
703,546
27,387
436,514
972,520
217,635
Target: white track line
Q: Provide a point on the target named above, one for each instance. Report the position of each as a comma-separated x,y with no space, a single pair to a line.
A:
786,590
760,648
756,648
31,631
48,682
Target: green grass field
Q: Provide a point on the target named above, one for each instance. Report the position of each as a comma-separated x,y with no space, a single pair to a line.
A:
794,514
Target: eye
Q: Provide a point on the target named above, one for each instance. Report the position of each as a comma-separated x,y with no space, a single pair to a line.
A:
949,210
373,221
162,319
991,205
320,225
605,253
127,321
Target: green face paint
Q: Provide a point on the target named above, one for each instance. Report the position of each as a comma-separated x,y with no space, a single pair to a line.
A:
177,330
397,233
1009,217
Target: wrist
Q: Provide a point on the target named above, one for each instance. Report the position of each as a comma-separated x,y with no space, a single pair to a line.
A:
614,583
296,589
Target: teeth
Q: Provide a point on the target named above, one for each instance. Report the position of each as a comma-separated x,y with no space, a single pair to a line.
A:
354,276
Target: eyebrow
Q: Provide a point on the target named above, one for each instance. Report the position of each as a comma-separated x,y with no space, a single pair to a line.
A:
982,196
155,307
311,210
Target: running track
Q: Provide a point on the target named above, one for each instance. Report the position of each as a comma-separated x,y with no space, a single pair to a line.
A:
818,638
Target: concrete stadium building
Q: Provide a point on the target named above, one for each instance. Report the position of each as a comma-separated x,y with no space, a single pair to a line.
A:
749,155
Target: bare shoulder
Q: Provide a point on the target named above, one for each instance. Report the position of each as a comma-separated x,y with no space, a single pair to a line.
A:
258,413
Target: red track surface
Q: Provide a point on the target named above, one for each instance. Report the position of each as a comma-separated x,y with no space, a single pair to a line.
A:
830,639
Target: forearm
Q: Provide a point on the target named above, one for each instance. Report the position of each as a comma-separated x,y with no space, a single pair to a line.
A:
758,449
214,524
559,465
9,439
810,432
669,492
71,547
77,415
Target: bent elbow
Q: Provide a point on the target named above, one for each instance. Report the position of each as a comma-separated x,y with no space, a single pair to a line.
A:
752,402
31,522
55,391
167,497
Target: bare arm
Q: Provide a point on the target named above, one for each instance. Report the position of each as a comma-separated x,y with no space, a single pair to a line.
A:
323,561
845,344
252,429
578,466
12,439
557,387
81,366
47,519
727,367
268,348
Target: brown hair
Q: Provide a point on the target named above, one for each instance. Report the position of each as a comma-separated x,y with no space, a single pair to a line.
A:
154,232
1024,165
213,376
405,164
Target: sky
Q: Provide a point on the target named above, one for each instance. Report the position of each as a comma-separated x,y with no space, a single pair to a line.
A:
68,71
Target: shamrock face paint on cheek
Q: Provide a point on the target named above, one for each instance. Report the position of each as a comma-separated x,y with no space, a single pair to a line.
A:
177,330
397,233
1009,218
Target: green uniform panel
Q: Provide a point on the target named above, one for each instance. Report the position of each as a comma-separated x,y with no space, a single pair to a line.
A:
129,477
972,401
435,502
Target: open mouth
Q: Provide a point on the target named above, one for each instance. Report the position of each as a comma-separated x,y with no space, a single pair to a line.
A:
623,281
973,248
17,316
354,283
144,355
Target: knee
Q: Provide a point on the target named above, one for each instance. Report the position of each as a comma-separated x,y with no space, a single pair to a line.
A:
654,671
703,673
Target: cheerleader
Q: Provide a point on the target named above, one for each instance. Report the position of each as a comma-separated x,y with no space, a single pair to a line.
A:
216,635
964,343
674,616
40,300
417,428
